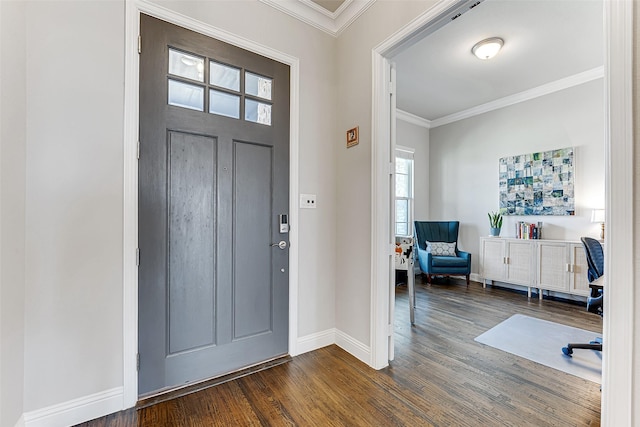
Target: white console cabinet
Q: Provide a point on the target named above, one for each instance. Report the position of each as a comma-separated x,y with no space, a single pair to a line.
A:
554,265
578,281
507,260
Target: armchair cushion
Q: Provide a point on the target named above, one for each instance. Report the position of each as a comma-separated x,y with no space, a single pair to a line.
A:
438,252
448,261
441,248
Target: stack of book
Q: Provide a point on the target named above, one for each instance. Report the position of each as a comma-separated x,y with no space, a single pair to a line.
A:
525,230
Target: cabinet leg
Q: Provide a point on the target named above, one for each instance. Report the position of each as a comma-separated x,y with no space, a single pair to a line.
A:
528,292
540,293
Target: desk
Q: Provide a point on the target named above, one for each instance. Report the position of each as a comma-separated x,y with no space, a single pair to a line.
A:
404,261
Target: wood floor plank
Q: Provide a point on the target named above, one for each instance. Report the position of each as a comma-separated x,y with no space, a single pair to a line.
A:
440,376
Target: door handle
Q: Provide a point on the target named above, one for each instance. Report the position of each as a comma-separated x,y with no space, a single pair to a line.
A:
281,244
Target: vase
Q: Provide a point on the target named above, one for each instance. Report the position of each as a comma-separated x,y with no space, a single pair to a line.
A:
494,232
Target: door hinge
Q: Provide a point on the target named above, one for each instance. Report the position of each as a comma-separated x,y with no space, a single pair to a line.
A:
138,257
137,361
139,44
138,150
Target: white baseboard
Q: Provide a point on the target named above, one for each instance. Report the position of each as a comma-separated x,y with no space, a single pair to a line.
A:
20,422
333,336
353,346
315,341
76,411
107,402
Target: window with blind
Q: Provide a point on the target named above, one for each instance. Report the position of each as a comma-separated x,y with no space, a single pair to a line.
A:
404,191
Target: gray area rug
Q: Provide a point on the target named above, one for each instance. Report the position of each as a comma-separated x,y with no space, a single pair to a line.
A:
542,341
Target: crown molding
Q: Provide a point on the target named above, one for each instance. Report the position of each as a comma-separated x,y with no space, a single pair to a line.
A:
558,85
412,118
317,16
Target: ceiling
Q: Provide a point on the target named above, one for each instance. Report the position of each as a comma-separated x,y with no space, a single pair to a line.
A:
330,16
548,45
330,5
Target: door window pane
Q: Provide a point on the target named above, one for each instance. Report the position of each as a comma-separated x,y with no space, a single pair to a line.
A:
257,112
224,76
257,85
224,104
186,95
186,65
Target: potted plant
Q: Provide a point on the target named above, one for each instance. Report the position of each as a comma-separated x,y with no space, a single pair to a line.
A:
495,222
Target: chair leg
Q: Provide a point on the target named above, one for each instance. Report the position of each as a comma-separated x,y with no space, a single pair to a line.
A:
568,350
467,280
428,278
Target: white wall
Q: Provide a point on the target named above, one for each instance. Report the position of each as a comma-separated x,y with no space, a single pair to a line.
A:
74,120
74,176
353,290
12,209
74,186
464,162
70,101
417,137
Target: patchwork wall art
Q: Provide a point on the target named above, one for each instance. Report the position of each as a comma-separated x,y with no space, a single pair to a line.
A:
538,183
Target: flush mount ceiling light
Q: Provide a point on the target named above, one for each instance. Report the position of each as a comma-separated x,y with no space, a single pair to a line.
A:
487,48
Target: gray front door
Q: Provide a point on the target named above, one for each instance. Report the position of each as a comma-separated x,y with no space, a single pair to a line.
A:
213,182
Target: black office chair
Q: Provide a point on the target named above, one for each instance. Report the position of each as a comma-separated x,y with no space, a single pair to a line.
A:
595,262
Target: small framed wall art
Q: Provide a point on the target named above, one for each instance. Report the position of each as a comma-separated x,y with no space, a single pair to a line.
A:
352,137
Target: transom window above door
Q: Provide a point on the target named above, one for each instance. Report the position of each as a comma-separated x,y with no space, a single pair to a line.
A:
228,91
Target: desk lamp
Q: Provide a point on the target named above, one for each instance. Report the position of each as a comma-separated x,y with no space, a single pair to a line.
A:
597,215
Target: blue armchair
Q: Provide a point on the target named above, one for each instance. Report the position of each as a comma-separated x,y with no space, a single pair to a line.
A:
442,257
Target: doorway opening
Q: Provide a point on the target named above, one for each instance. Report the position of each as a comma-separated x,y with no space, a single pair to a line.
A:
213,190
130,218
618,169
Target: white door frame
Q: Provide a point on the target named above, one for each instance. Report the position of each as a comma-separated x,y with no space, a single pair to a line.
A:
382,159
130,203
617,388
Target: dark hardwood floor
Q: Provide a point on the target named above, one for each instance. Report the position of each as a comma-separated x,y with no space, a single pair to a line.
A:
440,376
